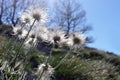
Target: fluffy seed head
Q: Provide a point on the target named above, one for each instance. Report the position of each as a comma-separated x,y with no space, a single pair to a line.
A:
56,38
76,40
32,13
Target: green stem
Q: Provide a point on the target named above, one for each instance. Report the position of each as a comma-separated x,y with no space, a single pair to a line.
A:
41,74
18,52
47,61
67,54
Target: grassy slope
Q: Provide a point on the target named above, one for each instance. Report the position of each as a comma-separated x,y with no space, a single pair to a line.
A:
90,64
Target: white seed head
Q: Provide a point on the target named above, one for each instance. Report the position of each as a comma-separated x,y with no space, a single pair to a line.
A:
76,40
31,14
56,36
48,71
20,32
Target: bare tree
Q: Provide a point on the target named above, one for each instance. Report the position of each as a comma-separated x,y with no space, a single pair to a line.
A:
9,9
69,15
3,8
15,6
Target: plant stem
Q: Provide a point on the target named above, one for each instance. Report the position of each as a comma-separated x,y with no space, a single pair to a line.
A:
67,54
47,61
18,52
41,74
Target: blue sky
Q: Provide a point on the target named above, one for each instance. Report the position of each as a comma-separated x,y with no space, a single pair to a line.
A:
104,15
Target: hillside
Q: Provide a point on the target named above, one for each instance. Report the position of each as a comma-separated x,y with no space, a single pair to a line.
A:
88,64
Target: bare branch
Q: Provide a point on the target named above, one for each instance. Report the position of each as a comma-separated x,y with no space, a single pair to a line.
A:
69,15
86,29
89,40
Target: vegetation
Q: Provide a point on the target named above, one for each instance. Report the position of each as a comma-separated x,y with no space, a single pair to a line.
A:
30,50
89,64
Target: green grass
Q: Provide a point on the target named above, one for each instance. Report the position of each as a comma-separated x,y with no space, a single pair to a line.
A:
90,64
